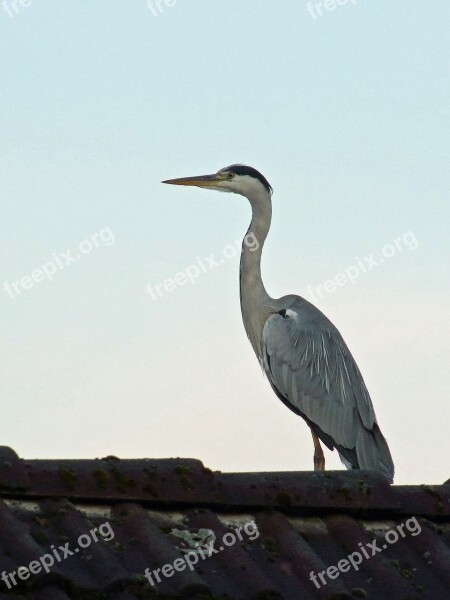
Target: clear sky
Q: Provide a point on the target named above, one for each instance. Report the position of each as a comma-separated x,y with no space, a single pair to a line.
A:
345,111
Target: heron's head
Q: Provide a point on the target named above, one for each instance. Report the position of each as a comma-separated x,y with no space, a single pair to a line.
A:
239,179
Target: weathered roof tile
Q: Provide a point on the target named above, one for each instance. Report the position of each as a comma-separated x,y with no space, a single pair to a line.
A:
306,522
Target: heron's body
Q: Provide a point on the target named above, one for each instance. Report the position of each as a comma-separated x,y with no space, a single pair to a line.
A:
302,353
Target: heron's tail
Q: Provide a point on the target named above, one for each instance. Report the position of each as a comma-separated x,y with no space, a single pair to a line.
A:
372,452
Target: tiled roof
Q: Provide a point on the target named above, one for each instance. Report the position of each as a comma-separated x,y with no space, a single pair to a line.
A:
157,508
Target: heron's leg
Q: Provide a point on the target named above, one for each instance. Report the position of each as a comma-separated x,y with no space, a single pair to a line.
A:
319,458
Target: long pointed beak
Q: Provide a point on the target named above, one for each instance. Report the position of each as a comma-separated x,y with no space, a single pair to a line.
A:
199,181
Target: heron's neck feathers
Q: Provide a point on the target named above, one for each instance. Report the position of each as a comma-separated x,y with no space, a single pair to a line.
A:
256,304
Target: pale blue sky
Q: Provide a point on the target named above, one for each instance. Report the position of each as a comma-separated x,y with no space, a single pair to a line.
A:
347,115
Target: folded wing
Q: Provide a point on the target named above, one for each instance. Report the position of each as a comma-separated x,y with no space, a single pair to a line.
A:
312,370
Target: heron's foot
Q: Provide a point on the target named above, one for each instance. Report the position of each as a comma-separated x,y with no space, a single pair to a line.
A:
319,458
319,462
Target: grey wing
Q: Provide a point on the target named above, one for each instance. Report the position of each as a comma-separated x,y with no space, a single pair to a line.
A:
312,370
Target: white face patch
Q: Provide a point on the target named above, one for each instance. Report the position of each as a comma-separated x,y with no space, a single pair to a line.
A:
219,189
244,185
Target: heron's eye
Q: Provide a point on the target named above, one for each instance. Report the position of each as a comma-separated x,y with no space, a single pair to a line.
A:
230,175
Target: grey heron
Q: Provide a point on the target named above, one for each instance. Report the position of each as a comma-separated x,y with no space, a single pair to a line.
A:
305,358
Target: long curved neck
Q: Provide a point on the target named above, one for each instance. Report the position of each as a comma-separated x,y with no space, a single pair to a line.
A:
256,304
